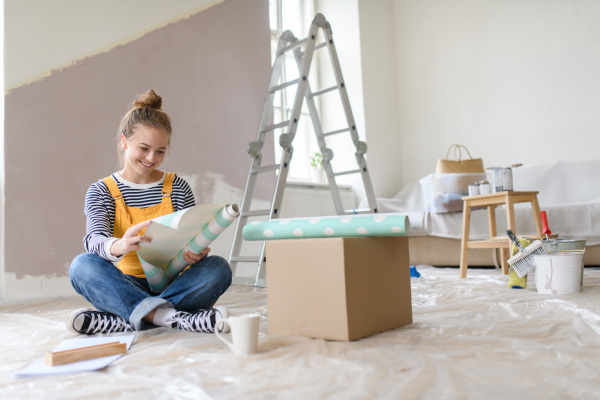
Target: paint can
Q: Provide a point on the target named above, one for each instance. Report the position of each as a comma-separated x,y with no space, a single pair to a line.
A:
565,245
485,188
558,273
502,179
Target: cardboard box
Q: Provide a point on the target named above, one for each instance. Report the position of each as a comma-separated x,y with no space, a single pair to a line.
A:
338,288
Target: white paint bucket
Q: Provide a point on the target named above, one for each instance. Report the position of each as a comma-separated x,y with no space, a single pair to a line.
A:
572,245
558,273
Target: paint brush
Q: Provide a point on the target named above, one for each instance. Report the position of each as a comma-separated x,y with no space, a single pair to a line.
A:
523,262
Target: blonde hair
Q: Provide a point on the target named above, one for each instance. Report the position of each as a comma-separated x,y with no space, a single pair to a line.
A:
147,111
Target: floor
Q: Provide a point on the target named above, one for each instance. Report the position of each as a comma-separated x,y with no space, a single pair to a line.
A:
471,338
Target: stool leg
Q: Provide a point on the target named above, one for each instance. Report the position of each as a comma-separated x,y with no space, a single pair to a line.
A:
535,208
464,250
510,214
504,260
492,221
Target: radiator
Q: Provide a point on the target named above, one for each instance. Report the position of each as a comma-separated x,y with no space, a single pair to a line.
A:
312,200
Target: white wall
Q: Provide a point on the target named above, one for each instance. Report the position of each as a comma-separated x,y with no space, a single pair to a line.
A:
514,81
381,108
2,169
79,29
343,16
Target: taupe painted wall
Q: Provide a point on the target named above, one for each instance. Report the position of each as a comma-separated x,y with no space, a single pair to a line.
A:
211,70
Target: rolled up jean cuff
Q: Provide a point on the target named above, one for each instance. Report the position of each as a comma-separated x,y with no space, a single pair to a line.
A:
142,309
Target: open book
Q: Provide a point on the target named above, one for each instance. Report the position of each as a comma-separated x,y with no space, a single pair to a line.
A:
193,228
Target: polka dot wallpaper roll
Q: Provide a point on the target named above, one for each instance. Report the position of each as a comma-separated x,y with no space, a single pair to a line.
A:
321,227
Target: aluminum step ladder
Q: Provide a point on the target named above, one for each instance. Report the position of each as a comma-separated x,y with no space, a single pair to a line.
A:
303,51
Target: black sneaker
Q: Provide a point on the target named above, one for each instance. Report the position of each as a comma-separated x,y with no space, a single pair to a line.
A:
199,321
90,322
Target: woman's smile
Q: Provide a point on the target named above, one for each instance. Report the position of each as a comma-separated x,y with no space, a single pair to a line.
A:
144,152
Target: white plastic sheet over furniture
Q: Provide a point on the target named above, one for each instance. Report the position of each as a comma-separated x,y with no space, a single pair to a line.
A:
471,339
568,191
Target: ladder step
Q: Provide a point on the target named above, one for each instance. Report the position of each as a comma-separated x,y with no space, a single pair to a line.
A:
255,213
336,132
292,46
284,85
354,171
245,259
317,47
276,126
323,91
299,43
266,168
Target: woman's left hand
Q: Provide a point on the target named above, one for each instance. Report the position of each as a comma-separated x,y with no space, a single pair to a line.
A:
192,258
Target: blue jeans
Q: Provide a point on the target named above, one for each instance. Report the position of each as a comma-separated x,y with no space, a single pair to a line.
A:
109,290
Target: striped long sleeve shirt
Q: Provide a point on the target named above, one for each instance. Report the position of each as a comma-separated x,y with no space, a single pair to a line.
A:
100,208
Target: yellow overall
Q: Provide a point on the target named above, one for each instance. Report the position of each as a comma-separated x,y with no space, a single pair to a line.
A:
126,216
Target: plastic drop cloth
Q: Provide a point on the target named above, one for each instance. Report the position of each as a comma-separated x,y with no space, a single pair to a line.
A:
471,338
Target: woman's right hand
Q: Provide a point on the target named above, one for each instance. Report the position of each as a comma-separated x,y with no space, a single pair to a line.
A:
130,240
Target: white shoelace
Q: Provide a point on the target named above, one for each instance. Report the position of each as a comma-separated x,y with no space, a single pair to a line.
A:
197,322
103,323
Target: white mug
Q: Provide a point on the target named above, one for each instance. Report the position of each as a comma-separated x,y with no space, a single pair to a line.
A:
244,333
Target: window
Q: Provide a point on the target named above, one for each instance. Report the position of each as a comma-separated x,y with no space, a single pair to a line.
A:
294,15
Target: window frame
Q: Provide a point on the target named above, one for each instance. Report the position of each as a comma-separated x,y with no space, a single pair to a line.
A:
305,143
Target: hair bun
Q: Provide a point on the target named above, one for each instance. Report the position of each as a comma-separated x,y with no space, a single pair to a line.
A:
148,100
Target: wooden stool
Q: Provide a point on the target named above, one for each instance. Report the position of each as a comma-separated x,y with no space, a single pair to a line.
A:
503,243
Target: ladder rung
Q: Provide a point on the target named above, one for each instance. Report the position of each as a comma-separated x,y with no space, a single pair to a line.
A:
317,47
323,91
245,259
298,44
276,126
266,168
336,132
292,46
354,171
254,213
284,85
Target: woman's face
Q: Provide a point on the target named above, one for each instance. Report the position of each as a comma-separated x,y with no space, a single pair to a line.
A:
144,152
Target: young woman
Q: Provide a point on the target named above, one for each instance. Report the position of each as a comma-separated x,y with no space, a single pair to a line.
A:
118,209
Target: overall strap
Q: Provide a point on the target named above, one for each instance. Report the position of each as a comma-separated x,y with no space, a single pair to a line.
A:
112,186
168,184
